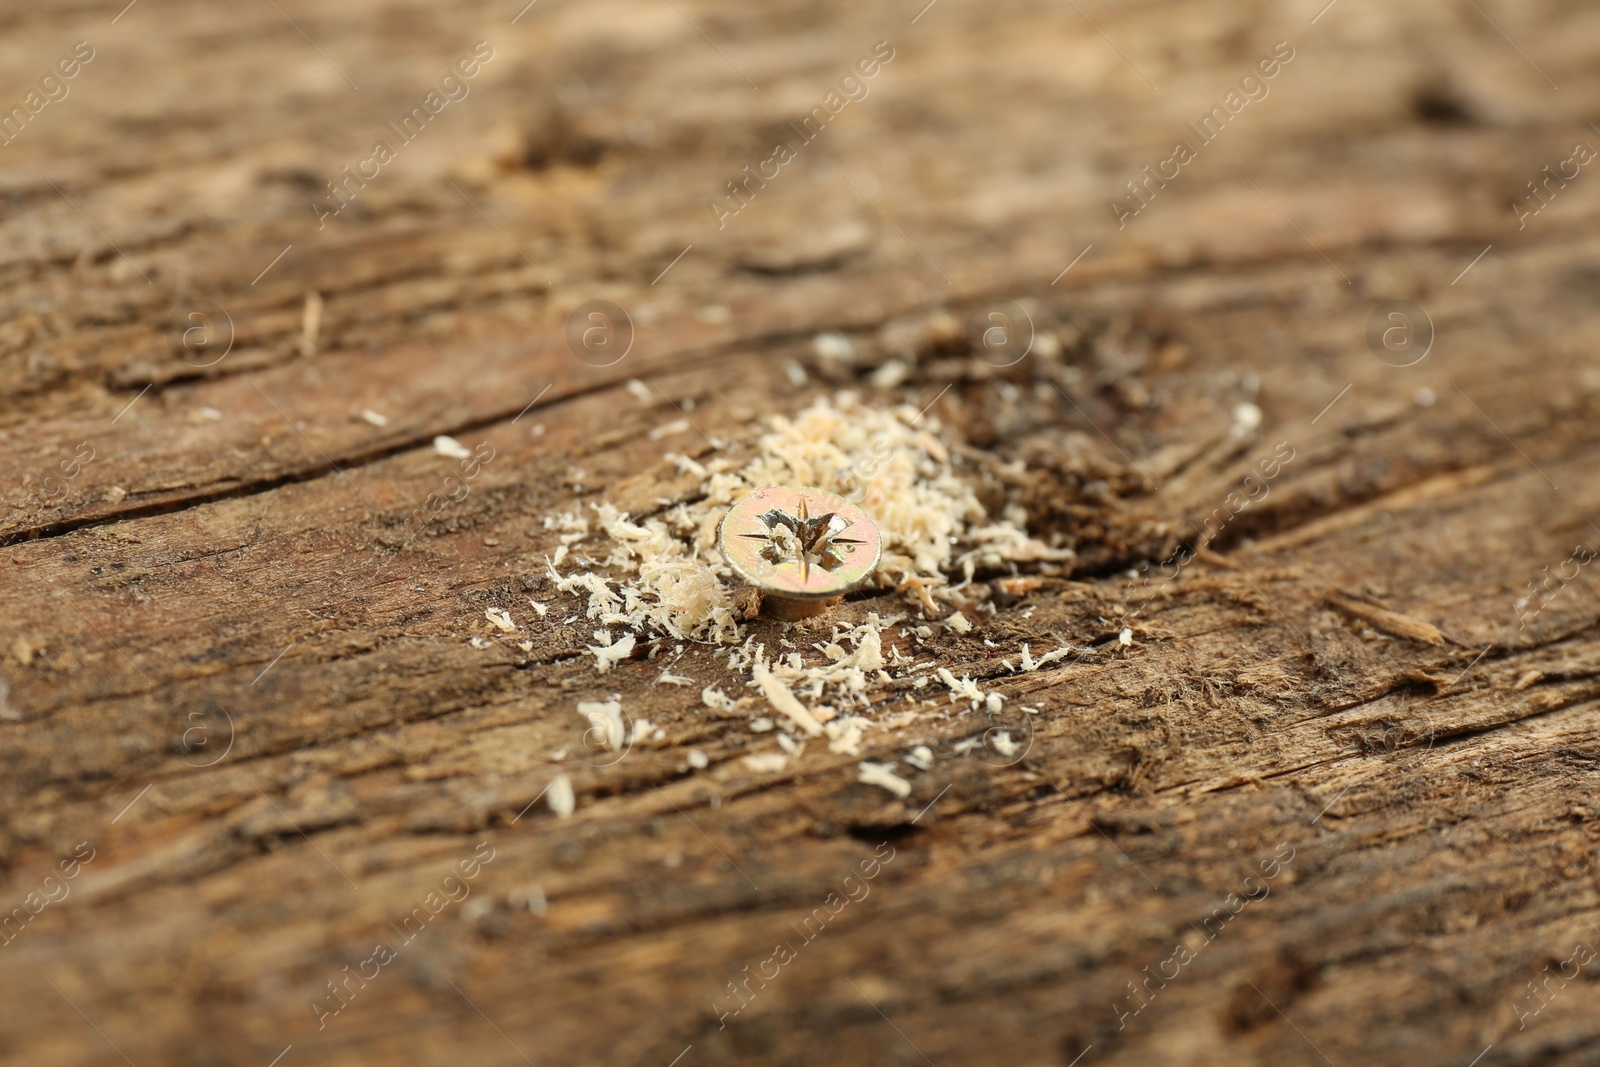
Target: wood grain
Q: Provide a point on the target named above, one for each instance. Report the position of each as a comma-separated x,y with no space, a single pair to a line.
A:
1330,801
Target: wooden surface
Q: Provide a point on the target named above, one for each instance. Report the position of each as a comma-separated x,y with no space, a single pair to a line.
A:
239,673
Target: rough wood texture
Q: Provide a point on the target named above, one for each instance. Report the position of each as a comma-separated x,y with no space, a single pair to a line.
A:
1339,708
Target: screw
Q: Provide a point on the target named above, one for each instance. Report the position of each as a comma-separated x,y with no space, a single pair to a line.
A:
802,548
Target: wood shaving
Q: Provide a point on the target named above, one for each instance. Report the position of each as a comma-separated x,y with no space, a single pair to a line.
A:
530,898
845,735
445,445
558,794
712,697
833,347
310,323
607,656
782,700
680,426
1031,664
605,719
882,775
962,689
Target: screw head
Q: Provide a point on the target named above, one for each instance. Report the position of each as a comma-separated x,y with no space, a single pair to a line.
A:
800,547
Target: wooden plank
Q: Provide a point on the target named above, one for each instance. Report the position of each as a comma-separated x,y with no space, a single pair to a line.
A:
1319,793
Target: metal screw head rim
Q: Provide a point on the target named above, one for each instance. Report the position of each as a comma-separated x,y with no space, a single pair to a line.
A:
757,532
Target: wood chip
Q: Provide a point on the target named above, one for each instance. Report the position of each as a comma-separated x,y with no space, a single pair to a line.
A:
781,699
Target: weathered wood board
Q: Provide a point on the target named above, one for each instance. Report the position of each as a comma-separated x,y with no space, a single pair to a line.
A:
1323,794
